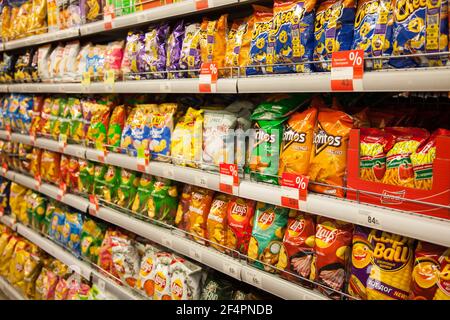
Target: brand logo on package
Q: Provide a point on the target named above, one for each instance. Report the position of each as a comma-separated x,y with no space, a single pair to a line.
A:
391,197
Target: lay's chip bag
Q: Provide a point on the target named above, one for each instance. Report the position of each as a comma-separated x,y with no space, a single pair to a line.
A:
382,264
260,52
329,155
333,30
420,27
293,34
265,244
373,30
297,142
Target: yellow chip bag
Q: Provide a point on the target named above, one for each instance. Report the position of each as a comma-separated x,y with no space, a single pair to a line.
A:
213,41
216,225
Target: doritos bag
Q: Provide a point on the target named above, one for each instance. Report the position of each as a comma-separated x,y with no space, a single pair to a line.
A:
329,156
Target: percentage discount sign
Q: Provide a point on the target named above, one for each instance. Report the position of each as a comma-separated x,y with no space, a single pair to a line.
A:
108,16
347,70
294,190
208,77
229,179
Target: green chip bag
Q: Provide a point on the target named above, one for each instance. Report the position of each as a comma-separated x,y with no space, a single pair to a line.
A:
163,203
65,118
47,220
76,123
36,207
86,176
143,195
92,234
99,179
110,183
128,184
269,224
265,143
116,124
55,114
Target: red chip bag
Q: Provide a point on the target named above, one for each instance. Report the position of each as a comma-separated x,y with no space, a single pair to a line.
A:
240,224
332,251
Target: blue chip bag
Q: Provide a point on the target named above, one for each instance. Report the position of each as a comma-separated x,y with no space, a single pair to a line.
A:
136,133
161,130
373,30
57,224
420,26
293,32
25,113
333,30
260,51
71,232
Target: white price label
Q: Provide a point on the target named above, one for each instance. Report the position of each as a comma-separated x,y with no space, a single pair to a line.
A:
369,219
254,278
231,269
167,242
165,87
195,254
201,181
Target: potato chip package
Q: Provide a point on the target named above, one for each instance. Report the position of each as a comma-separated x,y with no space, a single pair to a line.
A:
110,184
71,233
162,277
373,30
91,239
213,41
152,57
265,243
162,124
115,127
332,251
185,280
422,161
333,30
146,280
163,202
382,264
136,132
373,146
198,212
126,260
430,279
293,33
143,200
190,58
50,166
98,128
233,46
182,216
173,50
216,224
297,252
240,214
329,155
86,176
260,52
420,27
399,169
126,192
297,144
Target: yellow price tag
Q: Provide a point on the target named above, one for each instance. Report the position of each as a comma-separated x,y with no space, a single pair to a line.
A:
86,78
109,77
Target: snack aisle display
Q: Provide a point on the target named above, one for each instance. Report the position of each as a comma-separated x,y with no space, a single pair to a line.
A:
113,157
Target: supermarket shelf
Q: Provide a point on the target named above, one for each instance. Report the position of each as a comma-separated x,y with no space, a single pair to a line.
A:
42,38
47,88
113,288
392,80
3,135
10,291
154,14
56,251
21,138
3,88
52,145
8,221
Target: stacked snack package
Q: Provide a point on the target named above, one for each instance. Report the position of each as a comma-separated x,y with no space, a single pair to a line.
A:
199,208
216,225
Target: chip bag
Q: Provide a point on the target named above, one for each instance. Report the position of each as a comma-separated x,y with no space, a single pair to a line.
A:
297,252
146,279
163,202
265,243
173,50
213,41
136,133
76,125
98,128
86,176
382,264
91,238
142,201
260,53
190,58
329,155
50,166
182,216
162,277
115,127
125,260
185,280
297,144
198,213
71,232
216,224
332,251
162,124
292,35
399,169
126,192
333,30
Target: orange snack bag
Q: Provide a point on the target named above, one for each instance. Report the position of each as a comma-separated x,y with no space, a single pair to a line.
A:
298,133
240,214
216,224
329,155
50,166
213,41
244,54
198,212
45,116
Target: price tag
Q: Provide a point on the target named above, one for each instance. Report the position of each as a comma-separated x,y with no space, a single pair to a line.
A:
201,181
347,70
143,159
33,138
8,132
37,181
169,172
369,219
101,156
208,78
228,178
4,168
254,278
2,211
108,16
231,269
62,142
85,78
167,242
94,207
109,77
61,191
294,189
201,4
165,87
195,254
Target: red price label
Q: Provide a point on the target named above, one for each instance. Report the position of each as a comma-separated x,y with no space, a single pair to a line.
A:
4,168
2,211
94,207
62,142
229,178
201,4
38,181
8,131
295,189
108,16
33,138
347,70
62,190
208,77
143,160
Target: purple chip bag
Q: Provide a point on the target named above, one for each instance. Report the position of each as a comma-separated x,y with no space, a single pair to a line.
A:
153,54
133,48
190,52
174,45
